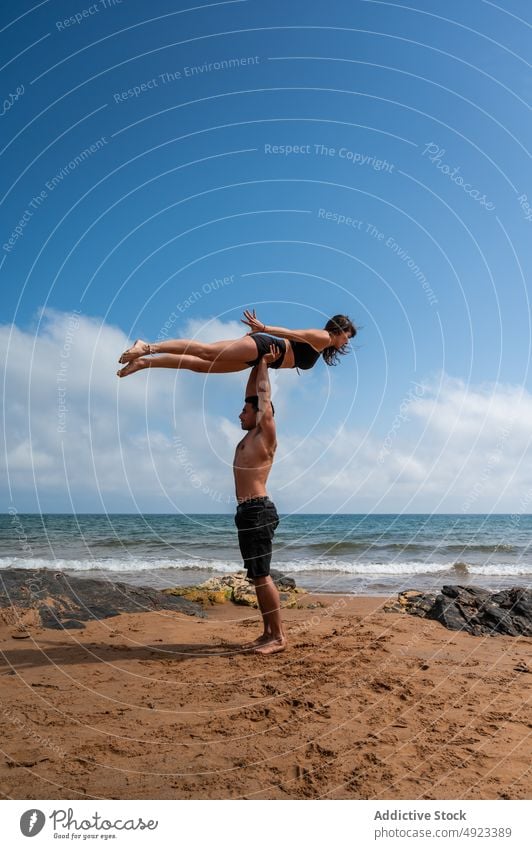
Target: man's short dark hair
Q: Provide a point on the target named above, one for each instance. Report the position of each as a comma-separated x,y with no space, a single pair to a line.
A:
254,401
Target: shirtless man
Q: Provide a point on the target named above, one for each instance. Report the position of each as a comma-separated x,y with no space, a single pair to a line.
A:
256,517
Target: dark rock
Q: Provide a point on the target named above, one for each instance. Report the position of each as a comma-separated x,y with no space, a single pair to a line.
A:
70,624
66,601
59,619
465,593
472,609
411,601
449,612
282,581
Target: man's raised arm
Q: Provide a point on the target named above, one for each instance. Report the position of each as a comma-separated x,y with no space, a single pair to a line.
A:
265,414
251,388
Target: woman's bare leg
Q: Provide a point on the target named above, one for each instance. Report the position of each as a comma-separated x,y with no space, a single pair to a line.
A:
231,350
181,361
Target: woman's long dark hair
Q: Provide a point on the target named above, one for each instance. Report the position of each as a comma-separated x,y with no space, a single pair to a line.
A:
338,324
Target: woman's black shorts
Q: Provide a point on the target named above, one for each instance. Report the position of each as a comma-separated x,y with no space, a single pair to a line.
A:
256,521
263,342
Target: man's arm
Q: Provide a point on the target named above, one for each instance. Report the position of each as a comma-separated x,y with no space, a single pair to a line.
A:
265,420
251,388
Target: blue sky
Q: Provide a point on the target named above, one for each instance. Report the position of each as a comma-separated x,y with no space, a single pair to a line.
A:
359,157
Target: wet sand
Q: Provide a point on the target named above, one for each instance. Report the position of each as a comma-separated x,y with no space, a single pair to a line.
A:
363,705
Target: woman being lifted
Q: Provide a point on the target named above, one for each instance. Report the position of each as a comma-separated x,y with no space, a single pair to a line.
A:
298,349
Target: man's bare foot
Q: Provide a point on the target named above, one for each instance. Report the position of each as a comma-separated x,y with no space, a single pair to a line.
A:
258,641
137,350
133,366
272,646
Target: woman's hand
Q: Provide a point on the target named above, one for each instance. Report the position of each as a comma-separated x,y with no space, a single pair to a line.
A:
252,321
273,354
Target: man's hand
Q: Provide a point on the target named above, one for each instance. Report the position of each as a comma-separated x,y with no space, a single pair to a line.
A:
252,321
273,354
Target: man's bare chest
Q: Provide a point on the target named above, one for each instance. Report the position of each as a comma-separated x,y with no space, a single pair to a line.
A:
249,452
245,450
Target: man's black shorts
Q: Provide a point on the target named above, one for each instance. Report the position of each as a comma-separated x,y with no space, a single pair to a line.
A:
256,521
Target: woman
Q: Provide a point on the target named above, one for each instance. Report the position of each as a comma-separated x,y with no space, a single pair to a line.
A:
301,350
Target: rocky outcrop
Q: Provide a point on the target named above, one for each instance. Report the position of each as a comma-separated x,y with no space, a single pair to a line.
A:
57,600
414,602
472,609
238,589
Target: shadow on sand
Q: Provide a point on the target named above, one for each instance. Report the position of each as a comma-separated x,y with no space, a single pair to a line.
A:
68,654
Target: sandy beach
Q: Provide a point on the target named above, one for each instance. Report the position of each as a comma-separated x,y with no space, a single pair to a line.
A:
363,705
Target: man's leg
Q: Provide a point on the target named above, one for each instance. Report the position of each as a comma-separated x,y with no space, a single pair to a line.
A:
256,527
274,639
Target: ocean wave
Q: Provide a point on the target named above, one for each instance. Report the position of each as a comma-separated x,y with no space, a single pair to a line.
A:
358,568
501,569
115,564
473,546
154,543
412,568
420,547
122,565
324,546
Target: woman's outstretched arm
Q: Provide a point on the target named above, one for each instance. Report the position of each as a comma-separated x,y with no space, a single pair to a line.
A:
317,339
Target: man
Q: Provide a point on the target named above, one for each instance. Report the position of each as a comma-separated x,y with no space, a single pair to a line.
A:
256,517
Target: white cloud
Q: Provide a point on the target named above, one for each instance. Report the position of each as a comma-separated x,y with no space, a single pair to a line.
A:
164,441
214,330
75,431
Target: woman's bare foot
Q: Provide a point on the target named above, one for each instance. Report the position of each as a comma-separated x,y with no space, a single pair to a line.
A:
138,348
272,646
133,366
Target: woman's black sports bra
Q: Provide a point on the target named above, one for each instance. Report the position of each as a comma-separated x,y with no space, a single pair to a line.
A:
304,355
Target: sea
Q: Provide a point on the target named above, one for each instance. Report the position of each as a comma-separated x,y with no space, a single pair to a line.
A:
340,553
